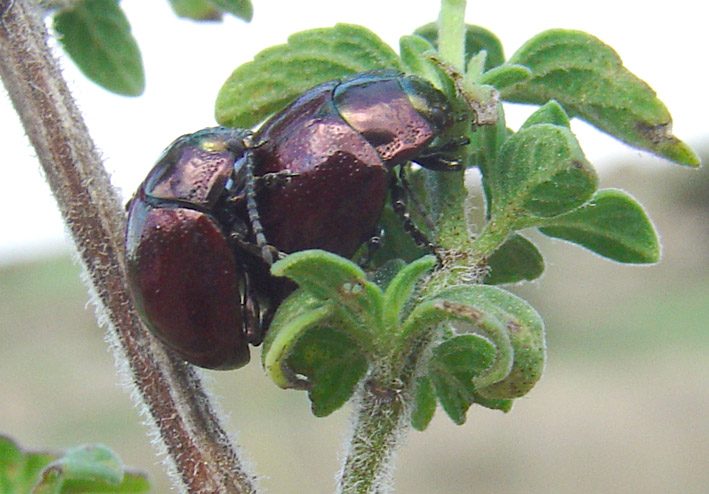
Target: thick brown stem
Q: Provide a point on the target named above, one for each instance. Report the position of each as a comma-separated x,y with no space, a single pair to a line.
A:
200,453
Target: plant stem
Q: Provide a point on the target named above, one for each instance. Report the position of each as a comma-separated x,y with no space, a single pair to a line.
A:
380,426
381,415
449,188
200,454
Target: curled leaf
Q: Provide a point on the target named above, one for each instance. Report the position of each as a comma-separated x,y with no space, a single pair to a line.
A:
455,365
524,328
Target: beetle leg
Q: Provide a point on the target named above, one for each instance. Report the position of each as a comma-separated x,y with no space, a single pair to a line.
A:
255,249
252,316
270,180
435,159
372,246
399,204
417,206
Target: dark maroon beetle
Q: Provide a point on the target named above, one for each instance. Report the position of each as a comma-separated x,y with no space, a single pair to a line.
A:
337,144
182,271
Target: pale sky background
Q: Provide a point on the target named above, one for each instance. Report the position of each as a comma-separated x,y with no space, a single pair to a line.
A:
187,62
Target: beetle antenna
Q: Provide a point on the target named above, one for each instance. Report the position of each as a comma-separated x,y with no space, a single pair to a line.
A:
252,208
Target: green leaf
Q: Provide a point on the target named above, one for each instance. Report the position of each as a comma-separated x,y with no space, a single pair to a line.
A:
551,113
96,35
589,80
424,404
453,368
515,260
19,469
505,75
418,56
524,328
400,289
384,274
612,224
333,364
299,313
492,404
477,39
540,171
336,280
198,10
323,336
238,8
279,74
89,469
86,469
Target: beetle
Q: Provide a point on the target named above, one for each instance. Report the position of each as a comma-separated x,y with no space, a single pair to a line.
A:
182,272
337,145
203,226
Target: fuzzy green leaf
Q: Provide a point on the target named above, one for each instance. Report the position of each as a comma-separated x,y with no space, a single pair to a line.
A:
505,75
493,404
20,469
400,289
524,328
515,260
323,336
477,39
589,80
333,364
486,143
308,347
424,404
96,35
295,316
331,278
197,10
540,171
612,224
550,113
238,8
386,273
278,74
86,469
452,371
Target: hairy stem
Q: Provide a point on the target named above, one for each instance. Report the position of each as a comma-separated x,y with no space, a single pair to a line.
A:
200,453
380,426
381,415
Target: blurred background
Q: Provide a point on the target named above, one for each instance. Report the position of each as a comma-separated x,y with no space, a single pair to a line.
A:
623,403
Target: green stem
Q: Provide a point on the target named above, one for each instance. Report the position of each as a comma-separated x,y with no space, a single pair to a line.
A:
451,32
491,237
449,188
382,411
380,426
